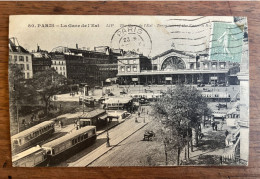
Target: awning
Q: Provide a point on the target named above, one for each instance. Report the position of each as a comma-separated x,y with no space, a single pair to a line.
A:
103,117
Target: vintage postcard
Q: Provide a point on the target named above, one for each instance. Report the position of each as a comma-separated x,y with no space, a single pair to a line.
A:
128,90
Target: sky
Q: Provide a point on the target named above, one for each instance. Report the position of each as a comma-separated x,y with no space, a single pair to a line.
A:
150,35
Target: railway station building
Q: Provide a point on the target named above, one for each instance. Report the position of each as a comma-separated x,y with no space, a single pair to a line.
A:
175,67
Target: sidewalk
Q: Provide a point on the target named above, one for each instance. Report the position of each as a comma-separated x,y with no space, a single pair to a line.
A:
116,136
210,148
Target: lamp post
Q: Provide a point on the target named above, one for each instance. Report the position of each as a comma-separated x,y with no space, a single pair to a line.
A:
108,142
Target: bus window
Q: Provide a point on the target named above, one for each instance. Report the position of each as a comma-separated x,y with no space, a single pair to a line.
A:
15,142
79,139
74,141
53,152
48,152
93,131
86,136
82,138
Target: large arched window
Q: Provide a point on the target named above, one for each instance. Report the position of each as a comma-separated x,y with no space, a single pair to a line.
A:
173,63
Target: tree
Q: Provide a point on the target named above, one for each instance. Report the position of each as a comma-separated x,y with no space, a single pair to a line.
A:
20,92
47,84
182,109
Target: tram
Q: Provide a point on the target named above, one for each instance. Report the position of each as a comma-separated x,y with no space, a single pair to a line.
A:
32,157
31,136
58,149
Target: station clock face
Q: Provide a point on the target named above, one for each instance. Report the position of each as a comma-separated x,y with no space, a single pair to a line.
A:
173,63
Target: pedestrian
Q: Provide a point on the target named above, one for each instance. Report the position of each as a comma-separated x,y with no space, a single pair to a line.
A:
108,143
138,114
226,133
60,124
216,127
136,120
221,125
213,125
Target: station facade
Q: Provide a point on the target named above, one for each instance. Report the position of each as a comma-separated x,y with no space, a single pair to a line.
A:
176,67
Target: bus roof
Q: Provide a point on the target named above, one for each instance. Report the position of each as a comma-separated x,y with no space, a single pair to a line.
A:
32,129
68,136
26,153
116,100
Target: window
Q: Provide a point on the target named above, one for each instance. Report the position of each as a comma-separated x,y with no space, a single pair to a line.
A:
93,131
15,58
134,68
122,68
28,67
21,58
134,61
128,69
63,73
86,136
60,68
22,66
63,68
28,75
38,159
10,57
27,58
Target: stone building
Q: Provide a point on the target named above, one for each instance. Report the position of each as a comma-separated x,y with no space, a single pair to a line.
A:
41,61
18,55
85,66
173,67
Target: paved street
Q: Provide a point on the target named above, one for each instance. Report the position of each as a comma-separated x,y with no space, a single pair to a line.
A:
116,135
127,145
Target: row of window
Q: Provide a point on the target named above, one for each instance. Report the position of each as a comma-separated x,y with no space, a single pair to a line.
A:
56,63
39,132
56,68
129,61
128,68
74,141
21,58
22,66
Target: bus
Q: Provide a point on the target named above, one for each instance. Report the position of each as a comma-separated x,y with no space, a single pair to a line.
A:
67,145
31,136
32,157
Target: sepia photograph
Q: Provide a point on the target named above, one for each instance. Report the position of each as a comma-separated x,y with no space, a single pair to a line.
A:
114,90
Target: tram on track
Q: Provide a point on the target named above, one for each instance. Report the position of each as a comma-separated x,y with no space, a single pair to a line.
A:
59,149
32,157
32,136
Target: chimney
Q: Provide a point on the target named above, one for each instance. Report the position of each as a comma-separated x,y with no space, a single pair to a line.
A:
77,47
38,48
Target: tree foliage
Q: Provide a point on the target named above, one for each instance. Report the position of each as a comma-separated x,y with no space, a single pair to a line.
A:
47,84
180,110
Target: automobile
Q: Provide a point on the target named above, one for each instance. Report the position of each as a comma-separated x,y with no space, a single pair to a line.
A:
110,94
148,135
221,105
214,84
98,87
222,84
123,92
143,101
201,85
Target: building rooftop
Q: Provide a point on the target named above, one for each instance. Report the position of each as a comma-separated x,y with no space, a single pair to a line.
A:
93,113
173,50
